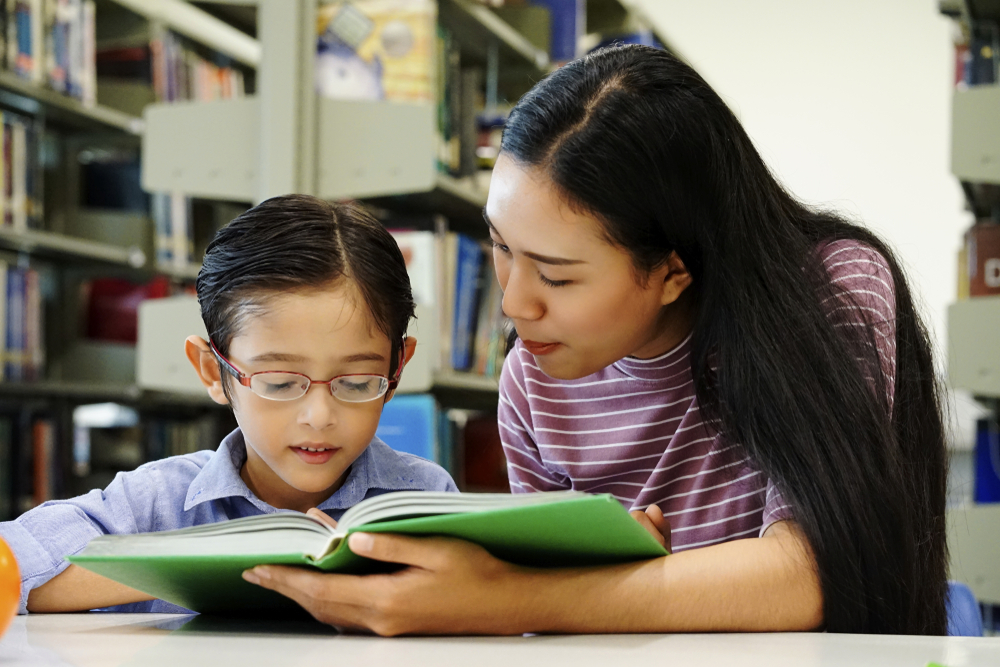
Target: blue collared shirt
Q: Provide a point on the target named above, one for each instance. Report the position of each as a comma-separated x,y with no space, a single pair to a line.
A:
183,491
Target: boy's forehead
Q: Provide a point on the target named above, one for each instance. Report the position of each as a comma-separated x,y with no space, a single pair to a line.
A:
317,317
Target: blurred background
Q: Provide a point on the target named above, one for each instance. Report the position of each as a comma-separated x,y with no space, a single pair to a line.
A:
134,129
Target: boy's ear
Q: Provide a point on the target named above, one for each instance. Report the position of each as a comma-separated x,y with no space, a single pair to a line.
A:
409,347
205,365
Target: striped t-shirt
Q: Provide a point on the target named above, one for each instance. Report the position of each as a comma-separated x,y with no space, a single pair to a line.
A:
634,430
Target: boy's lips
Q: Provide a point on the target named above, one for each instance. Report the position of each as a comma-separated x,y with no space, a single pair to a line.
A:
315,453
538,348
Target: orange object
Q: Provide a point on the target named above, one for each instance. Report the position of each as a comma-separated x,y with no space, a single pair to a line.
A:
10,586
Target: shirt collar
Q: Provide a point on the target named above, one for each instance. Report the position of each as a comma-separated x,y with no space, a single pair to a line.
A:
378,467
675,363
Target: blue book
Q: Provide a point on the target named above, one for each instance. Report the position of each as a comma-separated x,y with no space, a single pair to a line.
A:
567,26
14,361
409,424
469,263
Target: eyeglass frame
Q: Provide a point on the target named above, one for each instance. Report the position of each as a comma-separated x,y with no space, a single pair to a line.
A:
245,379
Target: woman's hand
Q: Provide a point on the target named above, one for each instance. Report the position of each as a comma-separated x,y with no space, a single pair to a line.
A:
654,521
448,587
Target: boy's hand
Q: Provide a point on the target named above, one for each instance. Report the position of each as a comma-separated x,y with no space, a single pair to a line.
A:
654,521
320,515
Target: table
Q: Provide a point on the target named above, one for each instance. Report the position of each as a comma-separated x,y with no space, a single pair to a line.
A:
149,640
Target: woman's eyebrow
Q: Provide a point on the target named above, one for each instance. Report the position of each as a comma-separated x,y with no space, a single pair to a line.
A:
544,259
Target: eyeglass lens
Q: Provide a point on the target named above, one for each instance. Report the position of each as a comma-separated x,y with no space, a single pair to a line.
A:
289,386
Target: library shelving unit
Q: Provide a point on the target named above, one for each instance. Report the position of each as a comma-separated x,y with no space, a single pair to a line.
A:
973,344
68,246
287,138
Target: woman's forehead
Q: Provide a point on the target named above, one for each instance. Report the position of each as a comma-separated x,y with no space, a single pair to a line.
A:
527,208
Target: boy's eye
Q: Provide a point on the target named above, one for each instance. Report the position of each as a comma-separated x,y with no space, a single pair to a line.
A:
278,387
357,386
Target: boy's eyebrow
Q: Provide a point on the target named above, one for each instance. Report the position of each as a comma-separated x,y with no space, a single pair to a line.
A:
544,259
295,358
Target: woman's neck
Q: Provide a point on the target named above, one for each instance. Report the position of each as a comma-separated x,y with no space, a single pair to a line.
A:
672,327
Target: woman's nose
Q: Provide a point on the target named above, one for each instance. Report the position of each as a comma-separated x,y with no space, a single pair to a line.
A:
519,300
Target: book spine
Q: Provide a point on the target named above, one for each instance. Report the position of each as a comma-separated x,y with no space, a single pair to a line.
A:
88,53
470,257
19,181
15,324
34,358
3,320
8,176
43,446
37,42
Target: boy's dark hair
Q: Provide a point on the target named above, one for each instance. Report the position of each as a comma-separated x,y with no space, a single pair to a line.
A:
296,242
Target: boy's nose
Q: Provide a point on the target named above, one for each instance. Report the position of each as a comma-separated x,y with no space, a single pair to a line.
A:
318,407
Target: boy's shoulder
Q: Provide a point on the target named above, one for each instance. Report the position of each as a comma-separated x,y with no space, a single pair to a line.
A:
403,470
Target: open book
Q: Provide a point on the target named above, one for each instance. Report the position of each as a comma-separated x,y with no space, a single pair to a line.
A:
200,568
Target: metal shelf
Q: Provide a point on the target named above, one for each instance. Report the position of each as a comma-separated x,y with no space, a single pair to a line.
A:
60,109
95,391
59,246
200,26
460,201
466,382
476,27
973,347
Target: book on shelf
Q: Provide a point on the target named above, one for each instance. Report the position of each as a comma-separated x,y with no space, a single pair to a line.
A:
141,64
23,341
409,424
453,274
20,194
200,568
377,50
51,43
6,468
43,446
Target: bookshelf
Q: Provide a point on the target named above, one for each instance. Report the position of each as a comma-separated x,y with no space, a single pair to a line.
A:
973,357
71,242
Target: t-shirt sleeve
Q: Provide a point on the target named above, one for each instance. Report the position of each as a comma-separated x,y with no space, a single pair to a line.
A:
869,300
525,469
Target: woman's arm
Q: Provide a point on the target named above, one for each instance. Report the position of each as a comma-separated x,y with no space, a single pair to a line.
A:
453,587
77,589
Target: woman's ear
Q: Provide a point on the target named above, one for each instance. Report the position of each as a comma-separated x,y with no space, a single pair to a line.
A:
409,347
205,365
676,279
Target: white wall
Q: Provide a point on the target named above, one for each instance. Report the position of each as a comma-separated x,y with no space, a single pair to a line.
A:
849,103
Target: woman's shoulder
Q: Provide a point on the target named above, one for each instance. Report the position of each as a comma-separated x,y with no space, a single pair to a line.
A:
861,270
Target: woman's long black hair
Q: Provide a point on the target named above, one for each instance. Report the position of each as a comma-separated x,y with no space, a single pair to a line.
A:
637,138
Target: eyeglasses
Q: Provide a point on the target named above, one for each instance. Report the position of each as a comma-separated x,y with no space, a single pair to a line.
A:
287,386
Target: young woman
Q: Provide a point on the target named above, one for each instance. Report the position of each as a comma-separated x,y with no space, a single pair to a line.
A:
747,374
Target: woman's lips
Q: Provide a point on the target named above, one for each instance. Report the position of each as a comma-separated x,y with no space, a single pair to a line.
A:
315,457
537,348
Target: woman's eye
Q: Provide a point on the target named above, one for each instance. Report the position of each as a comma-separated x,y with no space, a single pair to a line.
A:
553,283
499,246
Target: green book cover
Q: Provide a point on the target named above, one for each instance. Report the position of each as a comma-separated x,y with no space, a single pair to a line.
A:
200,568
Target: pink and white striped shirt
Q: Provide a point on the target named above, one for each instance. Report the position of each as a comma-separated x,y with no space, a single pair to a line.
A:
634,429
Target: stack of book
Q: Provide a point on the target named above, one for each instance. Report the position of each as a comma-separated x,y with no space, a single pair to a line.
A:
454,274
20,173
51,42
21,321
